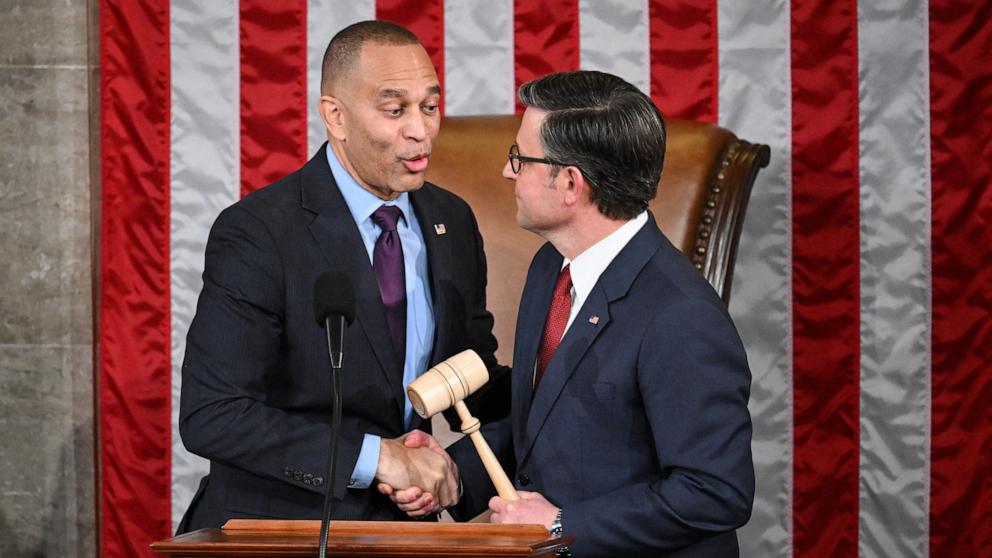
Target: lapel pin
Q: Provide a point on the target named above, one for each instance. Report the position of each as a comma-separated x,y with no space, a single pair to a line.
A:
594,319
439,228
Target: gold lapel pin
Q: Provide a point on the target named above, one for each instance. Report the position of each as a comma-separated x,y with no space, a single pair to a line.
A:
439,228
594,319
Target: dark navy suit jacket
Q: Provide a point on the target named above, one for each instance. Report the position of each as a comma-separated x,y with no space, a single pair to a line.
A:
256,380
639,429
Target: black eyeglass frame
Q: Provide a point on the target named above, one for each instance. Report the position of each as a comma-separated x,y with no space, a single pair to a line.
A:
516,159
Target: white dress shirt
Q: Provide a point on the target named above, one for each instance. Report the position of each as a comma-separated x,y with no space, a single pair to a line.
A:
590,264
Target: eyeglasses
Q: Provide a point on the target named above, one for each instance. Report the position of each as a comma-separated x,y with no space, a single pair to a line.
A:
516,158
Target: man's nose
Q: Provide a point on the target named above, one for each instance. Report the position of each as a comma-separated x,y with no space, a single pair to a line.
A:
418,127
508,171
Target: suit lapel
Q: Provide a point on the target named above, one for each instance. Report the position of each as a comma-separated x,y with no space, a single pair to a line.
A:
439,264
532,314
337,235
612,285
579,337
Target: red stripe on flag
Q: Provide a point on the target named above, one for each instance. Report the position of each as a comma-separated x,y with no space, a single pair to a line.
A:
545,39
961,244
425,18
684,58
273,90
826,278
134,340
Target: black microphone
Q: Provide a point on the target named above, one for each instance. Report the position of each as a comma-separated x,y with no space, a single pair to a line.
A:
334,309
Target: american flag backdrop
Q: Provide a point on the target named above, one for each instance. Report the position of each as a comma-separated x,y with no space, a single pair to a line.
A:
864,278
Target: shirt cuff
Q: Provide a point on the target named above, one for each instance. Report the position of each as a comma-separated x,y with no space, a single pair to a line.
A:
368,462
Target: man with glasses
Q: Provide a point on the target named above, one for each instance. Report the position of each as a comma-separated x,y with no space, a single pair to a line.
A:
629,426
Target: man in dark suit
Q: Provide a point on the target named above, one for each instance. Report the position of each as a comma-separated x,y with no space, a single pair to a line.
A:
629,426
256,378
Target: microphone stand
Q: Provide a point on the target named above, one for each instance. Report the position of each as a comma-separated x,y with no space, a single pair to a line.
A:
334,325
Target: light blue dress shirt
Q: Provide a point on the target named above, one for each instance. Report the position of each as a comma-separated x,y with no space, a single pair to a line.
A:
419,312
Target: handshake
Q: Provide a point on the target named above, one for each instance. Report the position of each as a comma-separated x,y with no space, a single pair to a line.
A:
417,474
413,470
421,478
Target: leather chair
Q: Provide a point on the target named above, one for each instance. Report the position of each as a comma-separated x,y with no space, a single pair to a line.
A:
700,205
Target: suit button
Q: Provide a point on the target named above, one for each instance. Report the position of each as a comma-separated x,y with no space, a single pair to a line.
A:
318,481
308,478
287,472
298,475
523,479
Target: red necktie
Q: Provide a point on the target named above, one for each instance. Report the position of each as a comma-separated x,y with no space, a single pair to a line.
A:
554,326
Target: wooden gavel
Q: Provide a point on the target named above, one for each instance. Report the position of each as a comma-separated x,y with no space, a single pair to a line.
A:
448,384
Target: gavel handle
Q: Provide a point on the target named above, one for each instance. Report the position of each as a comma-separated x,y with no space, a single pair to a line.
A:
470,426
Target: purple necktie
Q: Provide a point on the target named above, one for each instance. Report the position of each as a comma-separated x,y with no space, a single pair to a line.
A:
387,262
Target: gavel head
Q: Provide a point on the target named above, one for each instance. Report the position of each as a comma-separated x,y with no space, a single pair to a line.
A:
449,382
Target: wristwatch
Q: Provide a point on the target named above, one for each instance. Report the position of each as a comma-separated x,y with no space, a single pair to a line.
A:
555,528
556,531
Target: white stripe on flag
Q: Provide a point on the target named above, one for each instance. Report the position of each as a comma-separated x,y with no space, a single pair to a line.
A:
893,503
614,36
755,100
478,57
204,179
324,19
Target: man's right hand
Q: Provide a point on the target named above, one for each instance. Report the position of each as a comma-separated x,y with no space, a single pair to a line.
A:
417,474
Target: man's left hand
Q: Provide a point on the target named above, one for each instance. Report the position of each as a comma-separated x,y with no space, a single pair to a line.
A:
531,508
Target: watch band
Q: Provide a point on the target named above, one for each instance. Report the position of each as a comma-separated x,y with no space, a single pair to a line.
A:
555,528
556,531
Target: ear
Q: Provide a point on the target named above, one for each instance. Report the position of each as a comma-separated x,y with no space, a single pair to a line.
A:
575,189
332,112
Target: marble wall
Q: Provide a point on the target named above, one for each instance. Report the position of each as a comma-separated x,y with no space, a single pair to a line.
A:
47,201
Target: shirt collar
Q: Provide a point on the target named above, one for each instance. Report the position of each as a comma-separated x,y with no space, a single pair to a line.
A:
590,264
362,203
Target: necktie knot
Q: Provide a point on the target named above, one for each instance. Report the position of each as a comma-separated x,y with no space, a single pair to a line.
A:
563,287
387,216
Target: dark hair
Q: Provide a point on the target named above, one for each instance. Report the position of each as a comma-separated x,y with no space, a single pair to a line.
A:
607,128
341,56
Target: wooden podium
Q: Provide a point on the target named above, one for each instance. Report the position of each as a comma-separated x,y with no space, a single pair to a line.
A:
363,538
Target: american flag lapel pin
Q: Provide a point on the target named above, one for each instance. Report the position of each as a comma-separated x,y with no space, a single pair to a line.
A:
439,228
594,319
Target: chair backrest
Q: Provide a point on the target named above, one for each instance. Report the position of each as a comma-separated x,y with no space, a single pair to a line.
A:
700,205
